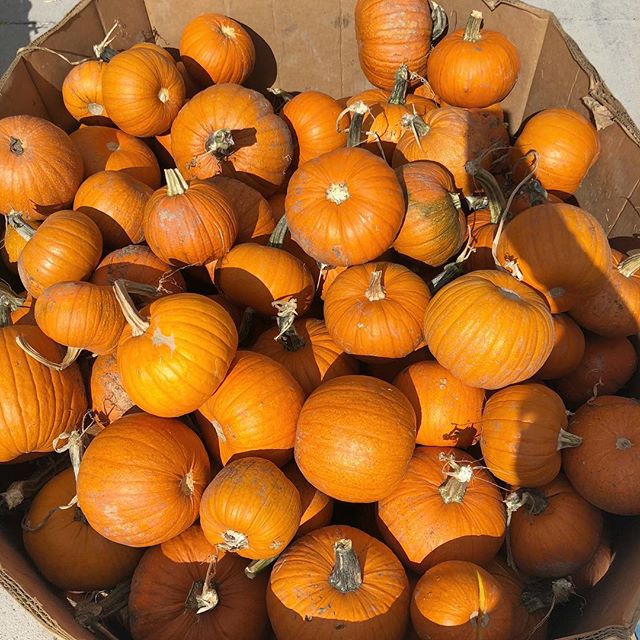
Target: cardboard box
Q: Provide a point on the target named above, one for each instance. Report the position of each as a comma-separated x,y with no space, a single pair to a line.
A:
314,45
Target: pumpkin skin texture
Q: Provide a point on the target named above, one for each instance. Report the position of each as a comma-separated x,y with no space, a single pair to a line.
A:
523,431
183,331
115,202
355,438
312,117
605,468
66,247
141,480
255,276
543,530
569,266
163,600
460,64
448,412
377,309
254,411
591,573
302,603
434,227
606,366
567,146
251,508
109,400
345,207
82,93
38,403
108,149
568,349
308,352
458,600
230,130
390,34
432,516
143,91
40,169
486,350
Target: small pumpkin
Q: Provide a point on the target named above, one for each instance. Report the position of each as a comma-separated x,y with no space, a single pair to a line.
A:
250,508
341,458
568,349
82,93
15,240
109,400
523,433
25,312
141,480
338,577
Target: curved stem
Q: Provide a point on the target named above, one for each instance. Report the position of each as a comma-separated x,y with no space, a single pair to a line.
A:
455,486
70,356
375,291
256,567
346,575
490,187
137,323
18,224
439,19
449,273
472,29
176,184
568,440
207,598
276,239
629,265
399,91
89,613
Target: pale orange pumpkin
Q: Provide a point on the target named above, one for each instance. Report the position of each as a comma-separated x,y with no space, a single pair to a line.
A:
82,93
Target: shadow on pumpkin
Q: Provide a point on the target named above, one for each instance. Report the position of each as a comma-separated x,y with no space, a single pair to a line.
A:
113,233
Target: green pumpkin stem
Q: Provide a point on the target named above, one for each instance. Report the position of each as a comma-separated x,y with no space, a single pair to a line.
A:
137,323
453,489
629,265
220,143
256,567
278,235
472,29
358,111
568,440
490,187
399,91
346,575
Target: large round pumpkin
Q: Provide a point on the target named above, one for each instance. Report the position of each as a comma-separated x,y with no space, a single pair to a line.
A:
338,581
355,438
40,169
109,400
568,349
477,326
64,547
141,480
82,93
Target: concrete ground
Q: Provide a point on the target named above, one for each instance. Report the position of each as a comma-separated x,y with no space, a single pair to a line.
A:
606,30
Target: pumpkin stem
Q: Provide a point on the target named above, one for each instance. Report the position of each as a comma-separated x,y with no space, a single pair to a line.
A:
18,223
568,440
89,613
375,290
472,30
276,239
220,143
29,528
9,302
207,598
95,109
399,91
137,323
533,500
15,146
69,358
439,19
543,594
455,486
163,95
256,567
233,541
287,334
490,187
73,445
630,265
102,50
623,443
281,93
187,485
535,192
176,184
337,192
346,575
357,110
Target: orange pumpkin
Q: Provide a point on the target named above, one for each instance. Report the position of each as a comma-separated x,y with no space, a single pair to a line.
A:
108,149
25,312
523,433
40,169
65,549
588,576
141,480
338,578
82,93
443,509
109,400
236,312
482,231
276,202
15,240
161,146
568,349
250,508
342,459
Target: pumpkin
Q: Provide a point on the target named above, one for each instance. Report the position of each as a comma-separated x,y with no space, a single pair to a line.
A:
152,46
115,202
606,366
230,130
250,508
39,403
443,509
174,595
141,480
543,528
482,232
255,276
82,93
40,169
276,202
67,246
236,312
109,400
485,348
523,432
377,309
388,368
25,312
589,574
345,207
253,412
389,34
530,194
312,117
568,349
569,266
142,91
137,263
175,334
216,49
605,468
65,549
307,351
14,242
108,149
338,580
161,146
448,412
189,224
460,64
434,226
459,600
566,144
355,438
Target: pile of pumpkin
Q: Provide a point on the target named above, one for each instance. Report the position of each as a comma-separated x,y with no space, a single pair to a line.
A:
417,306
